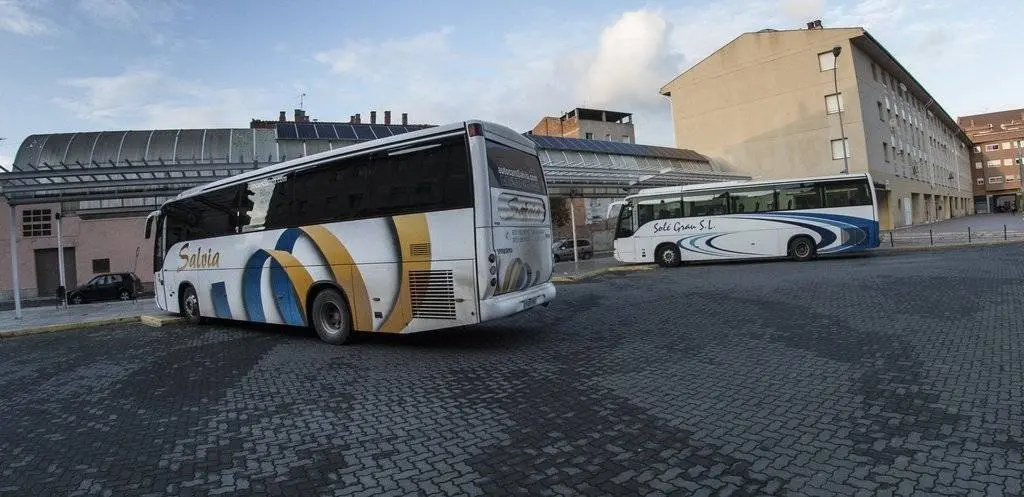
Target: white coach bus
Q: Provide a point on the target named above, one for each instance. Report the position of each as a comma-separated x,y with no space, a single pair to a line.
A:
798,218
436,228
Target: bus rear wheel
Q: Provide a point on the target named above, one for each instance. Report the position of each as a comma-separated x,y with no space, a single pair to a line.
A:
668,255
802,248
331,318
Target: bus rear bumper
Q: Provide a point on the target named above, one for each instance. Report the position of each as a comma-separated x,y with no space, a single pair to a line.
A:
507,305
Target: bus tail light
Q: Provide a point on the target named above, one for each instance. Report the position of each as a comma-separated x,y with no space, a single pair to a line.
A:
475,129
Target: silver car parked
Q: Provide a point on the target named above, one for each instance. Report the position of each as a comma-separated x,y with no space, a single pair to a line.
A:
561,250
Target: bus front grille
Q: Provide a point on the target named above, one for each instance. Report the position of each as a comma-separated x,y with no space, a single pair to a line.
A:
432,294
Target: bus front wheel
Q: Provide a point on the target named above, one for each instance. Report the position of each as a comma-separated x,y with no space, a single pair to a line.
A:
668,255
802,248
331,318
190,305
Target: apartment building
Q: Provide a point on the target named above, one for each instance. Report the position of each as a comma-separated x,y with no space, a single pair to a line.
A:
589,124
779,104
997,157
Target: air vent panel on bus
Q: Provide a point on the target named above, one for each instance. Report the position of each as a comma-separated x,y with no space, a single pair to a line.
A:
432,294
419,249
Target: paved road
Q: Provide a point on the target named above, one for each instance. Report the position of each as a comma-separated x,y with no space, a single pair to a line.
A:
893,374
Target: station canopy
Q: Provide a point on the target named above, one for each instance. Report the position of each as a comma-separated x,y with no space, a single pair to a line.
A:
137,170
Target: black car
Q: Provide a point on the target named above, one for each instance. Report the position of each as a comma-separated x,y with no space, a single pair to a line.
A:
111,286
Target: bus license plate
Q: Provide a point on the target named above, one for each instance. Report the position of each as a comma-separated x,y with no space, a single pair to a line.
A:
530,302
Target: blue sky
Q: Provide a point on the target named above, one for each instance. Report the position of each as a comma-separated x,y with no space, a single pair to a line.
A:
82,65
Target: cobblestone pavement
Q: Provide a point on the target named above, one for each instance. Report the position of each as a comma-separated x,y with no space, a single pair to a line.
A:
895,374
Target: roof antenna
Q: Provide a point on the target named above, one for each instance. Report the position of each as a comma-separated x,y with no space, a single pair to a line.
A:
301,95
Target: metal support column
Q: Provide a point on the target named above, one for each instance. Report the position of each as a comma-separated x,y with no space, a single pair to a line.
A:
14,265
572,221
60,263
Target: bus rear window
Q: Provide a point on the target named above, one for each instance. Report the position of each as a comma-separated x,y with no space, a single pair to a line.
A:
513,169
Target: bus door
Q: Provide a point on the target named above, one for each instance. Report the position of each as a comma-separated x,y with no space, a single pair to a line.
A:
159,236
625,226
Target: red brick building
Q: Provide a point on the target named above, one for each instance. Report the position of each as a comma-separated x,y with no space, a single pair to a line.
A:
996,158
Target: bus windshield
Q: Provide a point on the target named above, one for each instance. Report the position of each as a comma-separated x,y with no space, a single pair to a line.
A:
514,169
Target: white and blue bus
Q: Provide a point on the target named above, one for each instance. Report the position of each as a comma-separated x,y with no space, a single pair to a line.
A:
799,218
437,228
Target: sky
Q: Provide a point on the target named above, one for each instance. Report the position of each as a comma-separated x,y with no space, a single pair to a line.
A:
89,65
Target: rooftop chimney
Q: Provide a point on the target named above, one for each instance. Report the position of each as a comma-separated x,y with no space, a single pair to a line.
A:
405,118
373,117
815,24
359,118
387,117
300,116
282,117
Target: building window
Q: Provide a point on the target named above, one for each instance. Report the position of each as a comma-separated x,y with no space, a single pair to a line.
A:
994,163
840,148
588,136
881,115
625,139
1006,145
885,151
1007,162
977,165
874,71
1009,177
992,146
834,103
608,137
981,181
826,61
995,179
36,222
100,266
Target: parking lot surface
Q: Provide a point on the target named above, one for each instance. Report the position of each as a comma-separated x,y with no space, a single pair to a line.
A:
886,375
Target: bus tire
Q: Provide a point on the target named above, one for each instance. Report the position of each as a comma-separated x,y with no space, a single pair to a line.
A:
801,248
667,255
331,318
190,305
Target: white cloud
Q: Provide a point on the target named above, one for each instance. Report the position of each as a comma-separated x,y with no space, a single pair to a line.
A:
632,62
119,13
394,57
15,18
149,98
5,162
423,75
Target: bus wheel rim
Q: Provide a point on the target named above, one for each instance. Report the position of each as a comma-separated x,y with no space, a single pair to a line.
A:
330,317
191,305
802,249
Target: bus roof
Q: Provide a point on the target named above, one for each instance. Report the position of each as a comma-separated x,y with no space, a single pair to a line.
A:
355,149
678,190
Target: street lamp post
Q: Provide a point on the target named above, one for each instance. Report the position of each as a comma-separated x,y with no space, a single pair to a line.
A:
836,50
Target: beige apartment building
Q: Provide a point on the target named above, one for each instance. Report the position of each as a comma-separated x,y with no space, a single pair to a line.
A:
777,104
997,157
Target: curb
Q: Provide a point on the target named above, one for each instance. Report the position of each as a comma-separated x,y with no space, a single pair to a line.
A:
158,321
66,327
598,272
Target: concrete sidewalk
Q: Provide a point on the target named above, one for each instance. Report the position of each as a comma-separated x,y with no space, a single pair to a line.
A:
978,229
47,319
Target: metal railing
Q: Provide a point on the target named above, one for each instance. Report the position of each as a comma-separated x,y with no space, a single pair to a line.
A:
968,235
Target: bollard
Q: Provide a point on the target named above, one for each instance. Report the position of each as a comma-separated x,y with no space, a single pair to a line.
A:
930,238
968,234
892,239
1004,232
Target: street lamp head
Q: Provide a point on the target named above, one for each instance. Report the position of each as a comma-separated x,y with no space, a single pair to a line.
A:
836,50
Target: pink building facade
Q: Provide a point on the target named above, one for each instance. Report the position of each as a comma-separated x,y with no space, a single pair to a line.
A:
91,246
